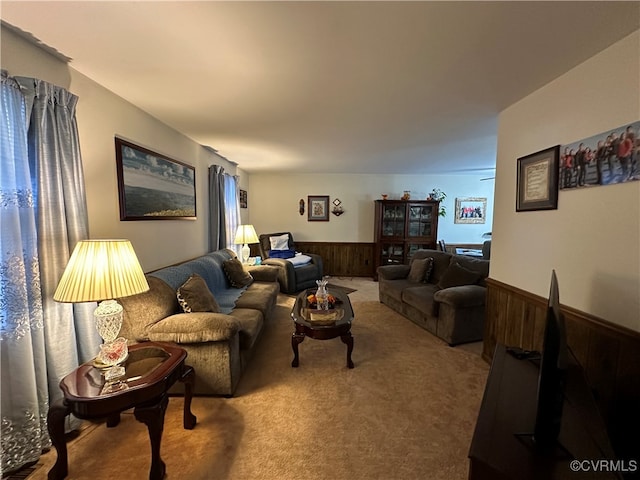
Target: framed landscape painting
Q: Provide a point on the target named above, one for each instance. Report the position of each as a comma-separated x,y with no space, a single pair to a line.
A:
152,186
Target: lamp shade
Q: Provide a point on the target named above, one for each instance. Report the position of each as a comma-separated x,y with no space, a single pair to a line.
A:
246,234
100,270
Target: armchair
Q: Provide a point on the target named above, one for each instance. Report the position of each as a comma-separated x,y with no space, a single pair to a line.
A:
292,278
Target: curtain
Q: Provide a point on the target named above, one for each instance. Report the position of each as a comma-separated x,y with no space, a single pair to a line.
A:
62,221
217,228
232,209
24,397
43,206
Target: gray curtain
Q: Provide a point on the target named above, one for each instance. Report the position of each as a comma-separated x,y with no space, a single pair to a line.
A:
42,340
217,225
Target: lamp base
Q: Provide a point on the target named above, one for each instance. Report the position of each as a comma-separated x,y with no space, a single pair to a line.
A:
246,251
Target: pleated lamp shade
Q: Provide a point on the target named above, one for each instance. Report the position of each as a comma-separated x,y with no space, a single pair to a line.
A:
101,270
246,234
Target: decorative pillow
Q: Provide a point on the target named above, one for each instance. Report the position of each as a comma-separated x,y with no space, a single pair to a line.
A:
421,269
194,296
281,242
237,275
457,275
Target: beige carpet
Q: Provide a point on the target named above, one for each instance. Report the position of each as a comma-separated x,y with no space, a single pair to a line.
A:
406,411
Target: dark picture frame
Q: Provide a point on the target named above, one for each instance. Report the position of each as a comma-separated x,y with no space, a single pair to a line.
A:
243,198
537,180
318,208
152,186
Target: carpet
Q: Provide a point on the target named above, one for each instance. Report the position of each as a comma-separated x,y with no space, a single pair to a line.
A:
406,411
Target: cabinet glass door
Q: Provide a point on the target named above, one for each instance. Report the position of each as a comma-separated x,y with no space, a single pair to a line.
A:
420,221
392,253
413,247
393,220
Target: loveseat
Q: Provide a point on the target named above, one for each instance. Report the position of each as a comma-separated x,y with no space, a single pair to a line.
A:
224,322
441,292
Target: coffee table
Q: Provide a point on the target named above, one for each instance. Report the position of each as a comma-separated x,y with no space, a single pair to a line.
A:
337,323
151,369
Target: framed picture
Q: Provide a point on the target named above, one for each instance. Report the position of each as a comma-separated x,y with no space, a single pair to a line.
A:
318,208
471,210
152,186
537,181
243,198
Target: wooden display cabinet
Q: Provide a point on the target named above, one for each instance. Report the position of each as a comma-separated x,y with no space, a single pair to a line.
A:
401,228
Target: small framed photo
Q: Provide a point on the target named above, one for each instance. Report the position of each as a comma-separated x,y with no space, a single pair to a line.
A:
318,208
471,210
243,198
537,181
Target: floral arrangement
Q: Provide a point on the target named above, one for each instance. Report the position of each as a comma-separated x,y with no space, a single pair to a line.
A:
312,300
438,195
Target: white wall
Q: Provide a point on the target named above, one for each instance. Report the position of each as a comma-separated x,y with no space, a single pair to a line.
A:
273,201
101,116
593,239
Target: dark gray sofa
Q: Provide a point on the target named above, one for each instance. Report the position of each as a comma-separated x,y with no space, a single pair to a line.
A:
456,313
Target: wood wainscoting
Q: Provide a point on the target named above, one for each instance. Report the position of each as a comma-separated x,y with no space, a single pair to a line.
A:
342,259
609,354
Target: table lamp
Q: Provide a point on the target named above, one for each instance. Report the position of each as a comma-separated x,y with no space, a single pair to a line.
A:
246,234
100,271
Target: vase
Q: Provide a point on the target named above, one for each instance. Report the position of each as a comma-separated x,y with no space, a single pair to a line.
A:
322,296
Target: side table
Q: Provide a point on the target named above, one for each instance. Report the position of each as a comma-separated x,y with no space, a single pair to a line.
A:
150,370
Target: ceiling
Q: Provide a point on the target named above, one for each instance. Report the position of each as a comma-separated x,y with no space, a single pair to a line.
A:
332,87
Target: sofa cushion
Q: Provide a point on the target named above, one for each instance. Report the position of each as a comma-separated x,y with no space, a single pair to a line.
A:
279,242
251,323
421,298
394,288
479,265
259,296
194,296
457,275
237,275
421,269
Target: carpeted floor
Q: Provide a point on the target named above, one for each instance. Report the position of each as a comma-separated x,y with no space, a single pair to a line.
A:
406,411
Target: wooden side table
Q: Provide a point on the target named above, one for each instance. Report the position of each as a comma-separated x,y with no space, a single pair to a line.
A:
151,369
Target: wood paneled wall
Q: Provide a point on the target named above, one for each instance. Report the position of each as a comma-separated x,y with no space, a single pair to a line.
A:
343,259
609,354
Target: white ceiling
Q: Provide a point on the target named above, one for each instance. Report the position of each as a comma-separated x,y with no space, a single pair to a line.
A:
354,87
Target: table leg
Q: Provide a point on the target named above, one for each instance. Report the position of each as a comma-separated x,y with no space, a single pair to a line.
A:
296,339
189,379
347,339
55,424
152,415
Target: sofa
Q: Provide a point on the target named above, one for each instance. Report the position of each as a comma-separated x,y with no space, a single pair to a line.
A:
211,306
441,292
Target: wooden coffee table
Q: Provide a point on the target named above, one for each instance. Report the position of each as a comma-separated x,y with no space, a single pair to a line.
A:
323,329
151,369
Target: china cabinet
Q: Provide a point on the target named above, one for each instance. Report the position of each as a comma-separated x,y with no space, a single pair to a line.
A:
401,228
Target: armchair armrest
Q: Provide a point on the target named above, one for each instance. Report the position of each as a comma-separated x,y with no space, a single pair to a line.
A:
393,272
197,327
464,296
263,273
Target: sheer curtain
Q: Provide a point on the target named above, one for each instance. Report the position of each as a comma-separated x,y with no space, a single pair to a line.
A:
43,215
24,396
232,209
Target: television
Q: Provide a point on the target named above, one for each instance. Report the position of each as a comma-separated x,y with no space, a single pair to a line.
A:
552,375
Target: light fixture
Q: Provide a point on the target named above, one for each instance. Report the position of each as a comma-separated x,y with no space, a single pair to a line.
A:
245,235
101,271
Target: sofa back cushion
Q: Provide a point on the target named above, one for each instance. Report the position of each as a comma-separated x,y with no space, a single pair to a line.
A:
441,261
144,310
479,265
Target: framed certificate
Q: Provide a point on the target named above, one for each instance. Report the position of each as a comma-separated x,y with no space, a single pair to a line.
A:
537,187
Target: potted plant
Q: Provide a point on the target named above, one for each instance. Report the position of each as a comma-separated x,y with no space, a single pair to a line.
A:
438,195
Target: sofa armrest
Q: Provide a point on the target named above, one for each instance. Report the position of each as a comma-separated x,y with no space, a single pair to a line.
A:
263,273
394,272
464,296
196,327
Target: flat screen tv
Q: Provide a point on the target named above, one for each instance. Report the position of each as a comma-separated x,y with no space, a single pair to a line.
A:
552,376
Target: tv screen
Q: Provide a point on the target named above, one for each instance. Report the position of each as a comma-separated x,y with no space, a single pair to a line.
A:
552,376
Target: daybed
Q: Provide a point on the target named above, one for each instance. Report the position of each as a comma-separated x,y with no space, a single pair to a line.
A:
445,296
224,322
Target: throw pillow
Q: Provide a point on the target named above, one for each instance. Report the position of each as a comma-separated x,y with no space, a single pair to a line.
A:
421,269
237,275
194,296
457,275
281,242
